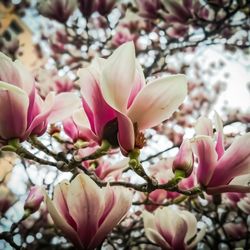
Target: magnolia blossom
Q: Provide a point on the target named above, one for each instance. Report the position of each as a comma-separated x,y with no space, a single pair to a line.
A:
23,112
122,35
86,213
184,160
59,10
217,167
106,171
49,80
118,104
34,199
149,8
162,172
235,230
171,228
74,126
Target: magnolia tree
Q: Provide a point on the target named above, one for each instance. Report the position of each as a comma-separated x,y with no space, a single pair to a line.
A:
116,141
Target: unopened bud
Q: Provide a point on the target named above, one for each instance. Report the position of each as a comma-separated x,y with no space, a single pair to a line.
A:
34,199
184,160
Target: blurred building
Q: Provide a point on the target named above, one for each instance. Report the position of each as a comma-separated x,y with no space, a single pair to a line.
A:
14,32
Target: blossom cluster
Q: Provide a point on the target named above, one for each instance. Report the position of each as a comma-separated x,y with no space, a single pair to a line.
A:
115,108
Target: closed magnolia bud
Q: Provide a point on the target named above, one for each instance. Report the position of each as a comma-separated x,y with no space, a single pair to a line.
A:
34,199
184,160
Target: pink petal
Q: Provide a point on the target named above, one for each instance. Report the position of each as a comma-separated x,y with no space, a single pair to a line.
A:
203,147
117,203
151,231
139,83
234,162
61,223
70,129
118,76
64,106
84,200
157,101
96,108
126,136
13,119
220,138
16,74
60,202
169,228
191,224
39,124
204,126
107,171
83,126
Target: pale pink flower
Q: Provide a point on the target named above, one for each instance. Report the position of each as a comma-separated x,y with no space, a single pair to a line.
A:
23,112
244,204
216,168
86,213
118,104
122,35
34,199
235,230
49,80
177,30
171,228
59,10
74,126
106,171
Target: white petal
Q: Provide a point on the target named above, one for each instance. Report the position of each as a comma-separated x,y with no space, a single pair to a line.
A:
158,100
118,76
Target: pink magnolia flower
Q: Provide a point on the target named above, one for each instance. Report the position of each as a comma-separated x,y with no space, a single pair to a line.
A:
34,199
74,126
106,171
244,204
59,10
86,213
49,80
184,160
148,8
235,230
122,35
118,104
178,233
177,30
162,172
217,167
23,112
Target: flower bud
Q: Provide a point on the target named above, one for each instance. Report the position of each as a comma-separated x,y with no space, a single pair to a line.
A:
184,160
34,199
